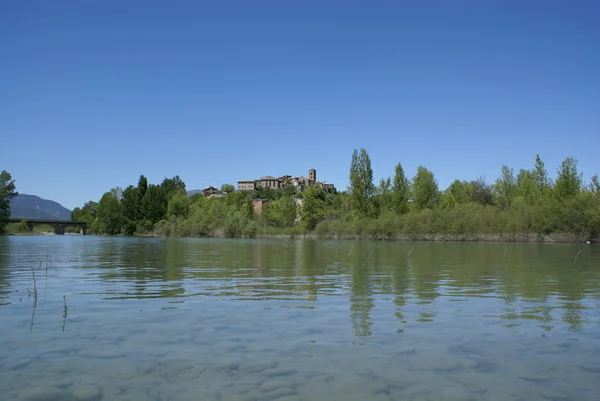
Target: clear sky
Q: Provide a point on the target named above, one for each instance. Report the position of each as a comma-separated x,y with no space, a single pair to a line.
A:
95,93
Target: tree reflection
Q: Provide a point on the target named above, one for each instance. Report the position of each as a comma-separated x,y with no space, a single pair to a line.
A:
521,282
5,267
361,301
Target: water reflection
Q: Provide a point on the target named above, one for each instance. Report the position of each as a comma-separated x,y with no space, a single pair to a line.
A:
521,283
181,319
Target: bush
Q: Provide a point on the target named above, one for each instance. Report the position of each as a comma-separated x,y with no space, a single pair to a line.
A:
17,228
43,229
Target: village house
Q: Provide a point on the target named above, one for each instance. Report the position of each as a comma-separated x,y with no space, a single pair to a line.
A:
283,181
210,190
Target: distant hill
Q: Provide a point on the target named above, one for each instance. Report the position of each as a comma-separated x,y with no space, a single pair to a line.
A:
194,192
25,206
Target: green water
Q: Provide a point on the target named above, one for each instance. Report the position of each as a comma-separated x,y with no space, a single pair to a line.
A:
194,319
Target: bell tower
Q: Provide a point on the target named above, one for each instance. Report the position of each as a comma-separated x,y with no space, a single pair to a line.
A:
312,176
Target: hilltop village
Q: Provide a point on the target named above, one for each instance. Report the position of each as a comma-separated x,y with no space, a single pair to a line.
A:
275,183
282,182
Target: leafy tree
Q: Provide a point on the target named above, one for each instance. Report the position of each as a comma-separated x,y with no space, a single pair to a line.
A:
569,181
313,208
458,193
89,214
526,189
425,189
154,204
227,188
76,214
384,194
170,186
281,212
131,206
179,205
595,184
142,186
290,190
361,187
7,193
505,188
447,200
480,192
541,176
400,190
110,214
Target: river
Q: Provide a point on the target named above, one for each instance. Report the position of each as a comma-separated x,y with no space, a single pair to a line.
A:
100,318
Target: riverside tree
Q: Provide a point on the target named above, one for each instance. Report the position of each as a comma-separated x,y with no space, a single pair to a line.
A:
569,181
8,191
505,188
425,189
313,207
530,203
361,187
400,190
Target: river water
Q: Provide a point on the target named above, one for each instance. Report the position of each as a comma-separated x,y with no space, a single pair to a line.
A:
210,319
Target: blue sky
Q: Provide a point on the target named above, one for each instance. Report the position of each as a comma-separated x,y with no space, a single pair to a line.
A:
93,94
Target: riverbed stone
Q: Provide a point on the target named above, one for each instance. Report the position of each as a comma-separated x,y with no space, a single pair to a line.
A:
86,392
276,394
257,367
45,394
276,384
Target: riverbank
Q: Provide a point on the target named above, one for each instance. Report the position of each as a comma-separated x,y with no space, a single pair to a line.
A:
506,237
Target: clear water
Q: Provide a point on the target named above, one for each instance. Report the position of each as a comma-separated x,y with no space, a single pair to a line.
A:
195,319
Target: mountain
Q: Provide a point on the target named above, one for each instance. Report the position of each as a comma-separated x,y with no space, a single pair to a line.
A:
26,207
194,192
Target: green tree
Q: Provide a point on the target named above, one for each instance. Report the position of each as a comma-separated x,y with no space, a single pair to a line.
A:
541,176
480,192
7,193
154,204
227,188
384,194
76,214
142,186
110,214
595,184
526,189
569,181
131,206
170,186
313,208
400,190
361,187
179,205
89,214
290,190
425,189
505,188
281,212
458,193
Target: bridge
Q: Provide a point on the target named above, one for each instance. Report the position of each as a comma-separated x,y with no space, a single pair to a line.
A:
58,225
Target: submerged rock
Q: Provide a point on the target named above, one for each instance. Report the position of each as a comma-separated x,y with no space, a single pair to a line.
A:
86,393
45,394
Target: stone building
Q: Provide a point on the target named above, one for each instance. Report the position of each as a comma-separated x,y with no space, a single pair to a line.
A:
283,181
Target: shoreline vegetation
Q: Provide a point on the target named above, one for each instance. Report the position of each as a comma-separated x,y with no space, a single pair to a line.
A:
291,235
524,207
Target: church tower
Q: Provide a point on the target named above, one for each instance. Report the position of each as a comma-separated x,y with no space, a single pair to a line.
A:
312,176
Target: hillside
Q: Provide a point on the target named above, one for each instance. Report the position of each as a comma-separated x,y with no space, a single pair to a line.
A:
26,207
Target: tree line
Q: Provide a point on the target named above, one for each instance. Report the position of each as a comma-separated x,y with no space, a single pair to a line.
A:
8,191
521,206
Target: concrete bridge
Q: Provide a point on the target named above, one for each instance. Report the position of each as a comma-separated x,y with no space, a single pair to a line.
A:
58,225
